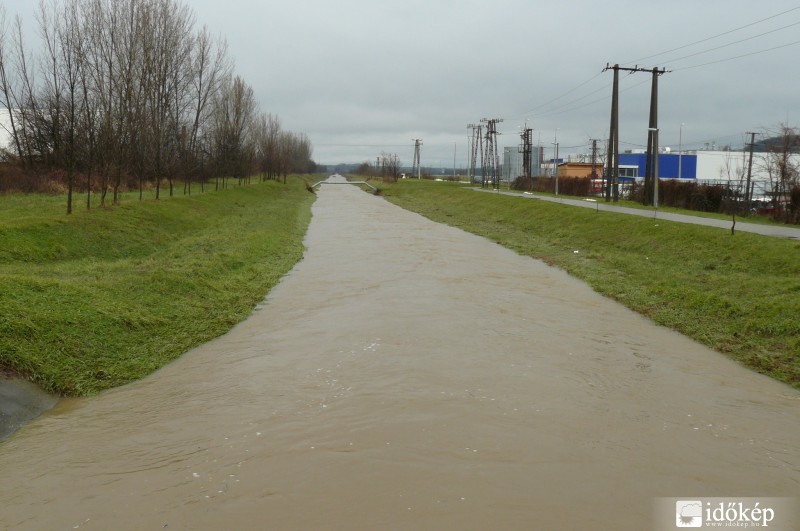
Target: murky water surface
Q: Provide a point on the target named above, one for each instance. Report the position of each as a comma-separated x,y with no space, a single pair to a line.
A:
406,375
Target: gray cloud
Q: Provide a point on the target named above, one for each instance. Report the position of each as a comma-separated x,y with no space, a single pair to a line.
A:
363,76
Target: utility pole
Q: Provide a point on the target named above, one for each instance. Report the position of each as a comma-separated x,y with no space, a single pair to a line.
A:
612,159
555,159
491,151
613,138
417,144
749,172
654,167
594,162
527,151
476,146
454,161
651,175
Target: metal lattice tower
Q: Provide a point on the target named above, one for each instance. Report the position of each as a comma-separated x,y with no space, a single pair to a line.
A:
491,162
527,150
416,165
476,146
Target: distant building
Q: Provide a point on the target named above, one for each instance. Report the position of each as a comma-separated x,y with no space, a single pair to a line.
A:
580,169
513,162
6,138
670,165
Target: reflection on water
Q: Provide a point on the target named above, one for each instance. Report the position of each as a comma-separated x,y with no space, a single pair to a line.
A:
406,375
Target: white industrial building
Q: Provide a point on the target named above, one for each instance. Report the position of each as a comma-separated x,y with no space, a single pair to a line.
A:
5,130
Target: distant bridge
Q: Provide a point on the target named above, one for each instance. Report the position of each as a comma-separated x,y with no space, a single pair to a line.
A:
345,182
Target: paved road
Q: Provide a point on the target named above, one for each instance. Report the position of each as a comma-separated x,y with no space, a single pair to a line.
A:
776,231
399,378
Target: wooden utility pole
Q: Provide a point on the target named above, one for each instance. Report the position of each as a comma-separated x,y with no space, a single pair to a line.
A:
612,163
612,159
747,193
651,168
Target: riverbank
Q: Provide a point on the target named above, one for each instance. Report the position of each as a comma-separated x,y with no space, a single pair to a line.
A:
106,296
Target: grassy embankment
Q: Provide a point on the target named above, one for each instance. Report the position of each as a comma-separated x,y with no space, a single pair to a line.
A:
107,296
753,218
737,294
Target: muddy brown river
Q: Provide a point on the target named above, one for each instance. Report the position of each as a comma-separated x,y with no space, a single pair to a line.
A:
407,375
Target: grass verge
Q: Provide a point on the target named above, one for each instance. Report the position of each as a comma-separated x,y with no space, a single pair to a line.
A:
737,294
107,296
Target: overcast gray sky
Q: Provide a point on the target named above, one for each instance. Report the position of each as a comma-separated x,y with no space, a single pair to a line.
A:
364,76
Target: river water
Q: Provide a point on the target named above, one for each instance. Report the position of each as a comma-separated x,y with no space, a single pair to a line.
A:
407,375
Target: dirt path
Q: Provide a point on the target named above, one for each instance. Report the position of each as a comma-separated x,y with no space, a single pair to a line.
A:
407,375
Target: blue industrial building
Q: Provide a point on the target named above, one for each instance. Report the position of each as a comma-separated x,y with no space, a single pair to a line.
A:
635,164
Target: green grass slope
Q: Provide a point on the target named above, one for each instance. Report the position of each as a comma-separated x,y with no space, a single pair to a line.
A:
107,296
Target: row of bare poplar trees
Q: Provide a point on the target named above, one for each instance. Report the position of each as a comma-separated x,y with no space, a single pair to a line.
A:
127,93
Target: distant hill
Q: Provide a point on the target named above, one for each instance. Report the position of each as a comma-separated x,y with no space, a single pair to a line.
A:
777,143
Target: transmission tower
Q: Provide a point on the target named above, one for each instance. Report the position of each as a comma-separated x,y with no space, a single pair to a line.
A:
476,146
416,166
527,150
491,162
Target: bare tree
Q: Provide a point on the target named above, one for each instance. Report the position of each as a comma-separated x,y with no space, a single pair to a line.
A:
234,111
209,64
782,165
25,102
7,89
734,174
271,146
167,46
89,120
101,26
62,101
391,166
130,92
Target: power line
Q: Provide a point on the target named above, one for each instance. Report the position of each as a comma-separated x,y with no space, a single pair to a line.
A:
561,96
556,111
714,36
361,145
732,43
567,107
557,108
739,56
